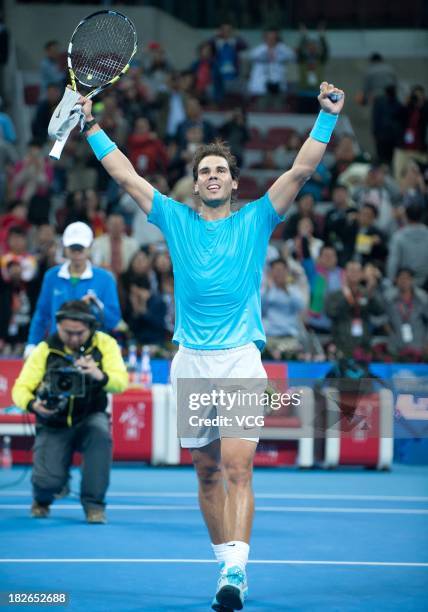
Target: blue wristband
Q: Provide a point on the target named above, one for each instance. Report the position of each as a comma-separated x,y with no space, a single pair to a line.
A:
324,126
101,144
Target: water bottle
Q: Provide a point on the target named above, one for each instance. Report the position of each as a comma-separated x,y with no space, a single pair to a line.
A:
132,362
6,454
146,369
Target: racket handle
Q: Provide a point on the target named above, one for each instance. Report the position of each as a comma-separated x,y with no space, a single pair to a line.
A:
55,152
335,97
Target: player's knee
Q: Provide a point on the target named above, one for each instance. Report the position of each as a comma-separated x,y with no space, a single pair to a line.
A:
209,474
238,474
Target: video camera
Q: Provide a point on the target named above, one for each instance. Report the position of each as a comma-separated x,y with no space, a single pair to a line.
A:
59,385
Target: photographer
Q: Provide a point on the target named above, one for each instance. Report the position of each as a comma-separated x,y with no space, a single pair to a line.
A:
65,382
350,309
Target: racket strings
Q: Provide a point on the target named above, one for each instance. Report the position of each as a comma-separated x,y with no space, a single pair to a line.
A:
101,48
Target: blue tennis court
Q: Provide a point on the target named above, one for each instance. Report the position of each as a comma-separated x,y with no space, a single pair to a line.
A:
345,541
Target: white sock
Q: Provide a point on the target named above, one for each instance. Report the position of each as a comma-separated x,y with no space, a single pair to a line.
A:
220,551
236,553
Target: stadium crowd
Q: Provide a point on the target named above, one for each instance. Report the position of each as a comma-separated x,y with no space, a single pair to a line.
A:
346,273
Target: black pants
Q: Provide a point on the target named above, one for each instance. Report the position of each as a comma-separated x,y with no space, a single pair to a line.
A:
53,455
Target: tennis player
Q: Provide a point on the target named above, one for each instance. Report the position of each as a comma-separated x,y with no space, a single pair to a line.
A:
218,258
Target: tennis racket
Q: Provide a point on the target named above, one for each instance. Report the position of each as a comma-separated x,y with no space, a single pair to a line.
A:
99,54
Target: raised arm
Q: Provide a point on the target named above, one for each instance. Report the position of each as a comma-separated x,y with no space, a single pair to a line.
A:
117,164
287,186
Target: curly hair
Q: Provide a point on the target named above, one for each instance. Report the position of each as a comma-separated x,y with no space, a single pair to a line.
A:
219,148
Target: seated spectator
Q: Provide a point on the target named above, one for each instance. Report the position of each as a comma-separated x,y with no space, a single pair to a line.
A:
350,309
15,311
94,213
111,119
227,47
46,247
345,154
52,68
184,192
408,247
162,267
154,275
370,244
412,186
145,313
47,250
339,224
76,170
73,210
145,233
33,175
82,205
236,133
296,272
44,112
182,163
138,272
114,249
146,151
324,276
305,241
381,193
17,251
166,289
132,101
282,307
373,277
305,210
170,104
16,216
268,77
136,77
407,311
194,118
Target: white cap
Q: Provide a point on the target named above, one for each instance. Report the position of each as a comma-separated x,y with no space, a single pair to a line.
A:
77,233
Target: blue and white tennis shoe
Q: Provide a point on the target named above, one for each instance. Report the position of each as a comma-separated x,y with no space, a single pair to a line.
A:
232,589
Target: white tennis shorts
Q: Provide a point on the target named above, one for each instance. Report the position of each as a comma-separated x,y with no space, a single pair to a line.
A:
243,363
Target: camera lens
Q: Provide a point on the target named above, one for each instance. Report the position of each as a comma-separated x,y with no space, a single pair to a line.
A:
65,383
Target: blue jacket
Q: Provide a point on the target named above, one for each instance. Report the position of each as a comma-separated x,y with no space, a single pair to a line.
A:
58,288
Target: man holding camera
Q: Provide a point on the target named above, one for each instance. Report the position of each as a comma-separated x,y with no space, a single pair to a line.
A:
65,382
351,307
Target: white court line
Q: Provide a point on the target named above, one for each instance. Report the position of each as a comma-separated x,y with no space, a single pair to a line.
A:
254,561
312,496
258,508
